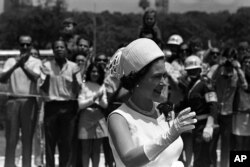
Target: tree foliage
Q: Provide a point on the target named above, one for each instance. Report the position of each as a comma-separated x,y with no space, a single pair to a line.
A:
114,29
144,4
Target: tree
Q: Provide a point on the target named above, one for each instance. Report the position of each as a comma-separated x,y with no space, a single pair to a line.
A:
144,4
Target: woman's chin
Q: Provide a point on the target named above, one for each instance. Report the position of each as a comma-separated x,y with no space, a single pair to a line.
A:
159,98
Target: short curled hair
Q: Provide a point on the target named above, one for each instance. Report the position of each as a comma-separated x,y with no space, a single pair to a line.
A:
130,81
59,40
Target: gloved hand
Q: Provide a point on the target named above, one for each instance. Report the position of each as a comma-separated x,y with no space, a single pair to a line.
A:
177,164
207,133
185,120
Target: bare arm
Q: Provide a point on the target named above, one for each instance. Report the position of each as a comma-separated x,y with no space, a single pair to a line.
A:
9,67
5,75
130,154
31,75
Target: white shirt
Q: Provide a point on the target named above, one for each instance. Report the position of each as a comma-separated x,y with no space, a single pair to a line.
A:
19,83
143,130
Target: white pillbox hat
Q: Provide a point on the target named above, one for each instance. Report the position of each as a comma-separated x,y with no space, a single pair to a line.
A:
138,54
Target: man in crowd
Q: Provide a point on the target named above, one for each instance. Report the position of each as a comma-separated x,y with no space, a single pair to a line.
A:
21,74
201,97
60,81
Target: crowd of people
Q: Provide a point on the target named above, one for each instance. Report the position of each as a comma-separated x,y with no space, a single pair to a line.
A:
153,103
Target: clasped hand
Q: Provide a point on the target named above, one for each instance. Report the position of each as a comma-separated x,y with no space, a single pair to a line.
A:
22,59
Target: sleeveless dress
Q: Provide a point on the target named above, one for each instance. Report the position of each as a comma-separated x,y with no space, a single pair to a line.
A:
143,130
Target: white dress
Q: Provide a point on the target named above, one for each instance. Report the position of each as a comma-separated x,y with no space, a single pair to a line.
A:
143,130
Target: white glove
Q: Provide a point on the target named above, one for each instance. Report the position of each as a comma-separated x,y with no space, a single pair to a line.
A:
183,122
177,164
207,133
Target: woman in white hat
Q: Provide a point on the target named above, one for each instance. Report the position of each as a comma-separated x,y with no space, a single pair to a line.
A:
139,134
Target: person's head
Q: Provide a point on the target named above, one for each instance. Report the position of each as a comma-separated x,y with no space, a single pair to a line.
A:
143,68
83,45
230,54
195,44
80,60
34,52
214,55
101,60
25,43
243,47
149,17
174,42
193,66
95,74
184,51
60,49
148,33
69,25
246,63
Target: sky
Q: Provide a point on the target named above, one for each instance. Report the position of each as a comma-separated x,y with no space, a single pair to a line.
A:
175,5
127,6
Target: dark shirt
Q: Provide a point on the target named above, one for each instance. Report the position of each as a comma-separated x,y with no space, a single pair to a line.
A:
201,97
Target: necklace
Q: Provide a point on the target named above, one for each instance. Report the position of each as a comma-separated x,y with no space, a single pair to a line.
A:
144,112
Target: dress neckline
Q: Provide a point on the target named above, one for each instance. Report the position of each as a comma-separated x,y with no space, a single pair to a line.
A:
144,112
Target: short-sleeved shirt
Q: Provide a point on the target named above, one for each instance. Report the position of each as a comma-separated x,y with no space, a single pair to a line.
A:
19,83
61,86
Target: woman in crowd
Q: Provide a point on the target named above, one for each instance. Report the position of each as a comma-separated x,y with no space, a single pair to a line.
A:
92,125
139,134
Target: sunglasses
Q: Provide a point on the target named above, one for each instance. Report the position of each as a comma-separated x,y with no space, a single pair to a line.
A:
215,53
247,62
99,60
183,50
80,60
25,44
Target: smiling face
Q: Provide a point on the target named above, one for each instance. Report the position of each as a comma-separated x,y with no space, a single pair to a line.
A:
102,60
94,74
34,53
153,82
80,61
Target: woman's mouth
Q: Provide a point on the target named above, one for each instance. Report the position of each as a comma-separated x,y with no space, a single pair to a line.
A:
158,91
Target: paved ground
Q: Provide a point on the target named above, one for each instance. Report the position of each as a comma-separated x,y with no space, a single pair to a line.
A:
18,161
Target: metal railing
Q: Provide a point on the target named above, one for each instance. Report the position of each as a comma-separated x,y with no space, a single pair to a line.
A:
5,54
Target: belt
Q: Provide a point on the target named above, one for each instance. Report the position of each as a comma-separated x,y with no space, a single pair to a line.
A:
202,117
19,97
